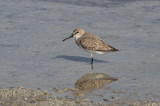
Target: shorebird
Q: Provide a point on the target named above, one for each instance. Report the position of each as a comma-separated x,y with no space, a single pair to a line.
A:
90,43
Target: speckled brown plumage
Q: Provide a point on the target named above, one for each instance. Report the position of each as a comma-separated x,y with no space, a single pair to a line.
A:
92,42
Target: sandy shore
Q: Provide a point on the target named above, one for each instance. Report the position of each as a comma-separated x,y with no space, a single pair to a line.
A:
36,97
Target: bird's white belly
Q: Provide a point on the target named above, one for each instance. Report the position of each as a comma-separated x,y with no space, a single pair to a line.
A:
93,51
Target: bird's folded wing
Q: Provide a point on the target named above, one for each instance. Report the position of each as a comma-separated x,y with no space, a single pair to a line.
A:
95,44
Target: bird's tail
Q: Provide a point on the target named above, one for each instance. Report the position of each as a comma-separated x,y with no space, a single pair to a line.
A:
113,49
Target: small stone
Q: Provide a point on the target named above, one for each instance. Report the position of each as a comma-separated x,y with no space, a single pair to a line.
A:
65,89
20,87
25,98
45,93
115,91
85,100
58,90
113,97
105,99
72,89
78,94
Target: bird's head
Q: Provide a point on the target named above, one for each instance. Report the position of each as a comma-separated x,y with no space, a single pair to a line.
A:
78,32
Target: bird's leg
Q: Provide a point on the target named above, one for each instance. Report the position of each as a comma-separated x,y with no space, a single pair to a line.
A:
91,63
91,59
91,68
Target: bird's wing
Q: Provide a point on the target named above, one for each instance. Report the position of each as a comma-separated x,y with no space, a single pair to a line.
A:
92,42
87,43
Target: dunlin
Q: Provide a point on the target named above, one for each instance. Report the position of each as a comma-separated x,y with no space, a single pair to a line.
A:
90,43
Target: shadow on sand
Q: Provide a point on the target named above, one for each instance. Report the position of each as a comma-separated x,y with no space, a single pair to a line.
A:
80,59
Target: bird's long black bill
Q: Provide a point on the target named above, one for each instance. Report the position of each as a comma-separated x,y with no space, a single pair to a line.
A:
68,37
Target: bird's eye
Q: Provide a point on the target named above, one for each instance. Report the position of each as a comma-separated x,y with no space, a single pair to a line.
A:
76,32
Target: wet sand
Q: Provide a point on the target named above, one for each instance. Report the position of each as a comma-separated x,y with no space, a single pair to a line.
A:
21,96
36,97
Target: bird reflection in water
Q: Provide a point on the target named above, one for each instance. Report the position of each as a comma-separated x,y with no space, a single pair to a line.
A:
88,83
92,81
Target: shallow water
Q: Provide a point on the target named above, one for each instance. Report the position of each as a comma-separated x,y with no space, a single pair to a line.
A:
33,55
